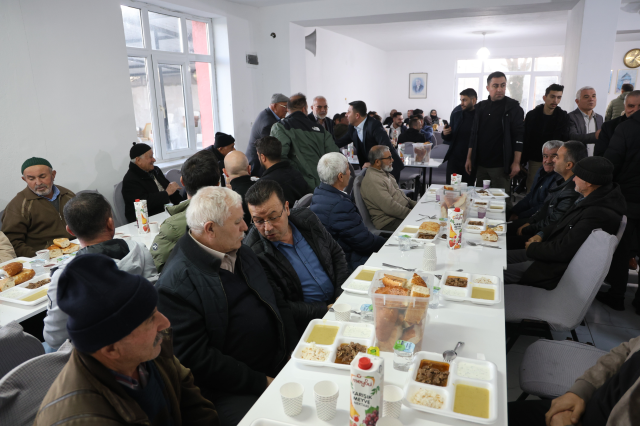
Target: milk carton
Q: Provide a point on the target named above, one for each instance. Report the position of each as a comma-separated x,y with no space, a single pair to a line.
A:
455,228
142,216
367,383
456,179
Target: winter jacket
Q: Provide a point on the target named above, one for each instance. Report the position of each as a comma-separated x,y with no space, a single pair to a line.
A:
139,185
578,130
6,249
373,134
327,121
284,277
171,230
624,153
87,393
341,218
606,133
261,128
192,297
457,117
602,209
536,134
534,200
513,131
626,411
220,159
241,185
384,200
31,222
615,108
130,256
292,182
562,195
304,142
412,135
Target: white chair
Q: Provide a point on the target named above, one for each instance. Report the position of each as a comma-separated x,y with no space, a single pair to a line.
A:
16,347
362,208
118,205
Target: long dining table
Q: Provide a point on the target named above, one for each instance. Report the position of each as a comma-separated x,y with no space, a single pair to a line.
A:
480,327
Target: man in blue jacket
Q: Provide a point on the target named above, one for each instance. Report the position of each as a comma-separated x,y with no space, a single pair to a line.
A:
339,214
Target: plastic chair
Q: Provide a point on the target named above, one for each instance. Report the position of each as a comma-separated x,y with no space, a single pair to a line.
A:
16,347
303,202
362,208
349,187
174,175
118,205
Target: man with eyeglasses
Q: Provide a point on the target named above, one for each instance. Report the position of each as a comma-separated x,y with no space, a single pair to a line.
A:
319,111
276,111
387,204
296,251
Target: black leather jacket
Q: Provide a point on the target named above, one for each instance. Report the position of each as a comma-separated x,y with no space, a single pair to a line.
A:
560,198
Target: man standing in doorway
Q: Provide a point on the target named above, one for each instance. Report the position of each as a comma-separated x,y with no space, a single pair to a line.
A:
457,135
495,147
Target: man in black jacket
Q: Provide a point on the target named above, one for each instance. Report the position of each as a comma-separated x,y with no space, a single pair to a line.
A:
545,259
318,114
223,145
276,111
296,252
230,327
546,122
624,152
413,134
238,175
631,105
144,181
495,146
292,182
457,135
366,133
561,197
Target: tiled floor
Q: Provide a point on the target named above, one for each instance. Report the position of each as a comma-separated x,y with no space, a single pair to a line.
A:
604,327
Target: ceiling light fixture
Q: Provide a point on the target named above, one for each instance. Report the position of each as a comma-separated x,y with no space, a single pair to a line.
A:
483,53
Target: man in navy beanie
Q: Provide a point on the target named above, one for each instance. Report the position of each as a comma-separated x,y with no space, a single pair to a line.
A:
223,145
122,370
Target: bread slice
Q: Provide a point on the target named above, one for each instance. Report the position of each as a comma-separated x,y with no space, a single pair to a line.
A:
429,228
417,280
13,268
61,242
419,291
393,281
24,276
489,235
71,249
54,251
7,283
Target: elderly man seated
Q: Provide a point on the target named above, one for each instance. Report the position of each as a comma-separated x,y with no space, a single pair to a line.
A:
297,253
561,196
122,370
144,181
339,215
89,218
387,204
230,328
33,219
547,255
200,170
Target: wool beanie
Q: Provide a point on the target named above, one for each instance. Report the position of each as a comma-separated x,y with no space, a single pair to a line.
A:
35,161
104,304
222,140
594,170
138,149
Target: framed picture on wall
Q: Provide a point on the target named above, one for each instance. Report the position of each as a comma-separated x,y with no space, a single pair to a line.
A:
626,76
418,85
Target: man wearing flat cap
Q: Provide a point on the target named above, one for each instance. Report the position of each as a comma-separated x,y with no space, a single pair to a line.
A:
223,145
546,257
33,219
122,370
144,181
276,111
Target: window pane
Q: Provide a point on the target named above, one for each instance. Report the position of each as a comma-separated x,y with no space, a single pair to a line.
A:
541,85
141,101
507,64
470,65
518,89
197,37
549,64
202,105
132,26
170,80
165,32
466,83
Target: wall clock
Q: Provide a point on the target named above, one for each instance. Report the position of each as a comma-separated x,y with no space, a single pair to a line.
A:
632,58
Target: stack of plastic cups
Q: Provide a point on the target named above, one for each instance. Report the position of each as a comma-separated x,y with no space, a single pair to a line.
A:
429,260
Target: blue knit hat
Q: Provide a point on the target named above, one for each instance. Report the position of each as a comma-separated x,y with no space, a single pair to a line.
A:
104,304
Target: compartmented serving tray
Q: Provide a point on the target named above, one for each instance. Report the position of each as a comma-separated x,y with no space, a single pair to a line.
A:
472,282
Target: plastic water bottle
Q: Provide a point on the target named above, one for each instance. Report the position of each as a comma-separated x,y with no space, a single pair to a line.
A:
434,300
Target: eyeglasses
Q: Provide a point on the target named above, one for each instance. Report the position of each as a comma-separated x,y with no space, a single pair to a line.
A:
387,158
261,222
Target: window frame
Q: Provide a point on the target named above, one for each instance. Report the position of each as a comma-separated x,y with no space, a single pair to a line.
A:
154,57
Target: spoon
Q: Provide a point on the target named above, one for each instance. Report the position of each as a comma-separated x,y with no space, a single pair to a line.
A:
399,267
471,243
451,355
352,311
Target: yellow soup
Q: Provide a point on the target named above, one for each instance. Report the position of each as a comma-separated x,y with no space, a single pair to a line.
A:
323,334
35,296
365,275
483,293
472,401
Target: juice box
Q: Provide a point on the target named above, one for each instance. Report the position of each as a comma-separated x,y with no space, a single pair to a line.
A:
367,383
142,216
455,228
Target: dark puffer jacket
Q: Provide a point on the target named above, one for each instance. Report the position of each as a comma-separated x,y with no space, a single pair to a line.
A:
138,184
561,197
602,209
530,204
280,271
341,218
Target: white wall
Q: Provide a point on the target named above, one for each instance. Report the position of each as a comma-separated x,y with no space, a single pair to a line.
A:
345,70
619,49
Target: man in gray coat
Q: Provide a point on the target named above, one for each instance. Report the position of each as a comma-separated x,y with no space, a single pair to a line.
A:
276,111
584,122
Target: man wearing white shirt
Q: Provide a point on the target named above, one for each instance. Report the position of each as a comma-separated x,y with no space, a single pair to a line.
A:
584,122
396,128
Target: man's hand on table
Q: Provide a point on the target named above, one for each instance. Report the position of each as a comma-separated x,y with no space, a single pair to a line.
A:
521,228
569,402
269,380
172,187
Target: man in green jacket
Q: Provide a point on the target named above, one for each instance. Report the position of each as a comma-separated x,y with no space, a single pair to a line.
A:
303,141
616,106
198,171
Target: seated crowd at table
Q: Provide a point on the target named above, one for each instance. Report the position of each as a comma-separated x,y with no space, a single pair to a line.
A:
193,329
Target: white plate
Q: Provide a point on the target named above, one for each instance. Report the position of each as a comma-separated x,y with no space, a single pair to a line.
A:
24,292
495,285
448,392
414,235
469,228
352,285
333,348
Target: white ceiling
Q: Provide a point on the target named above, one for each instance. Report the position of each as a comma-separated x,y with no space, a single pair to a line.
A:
266,3
529,29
